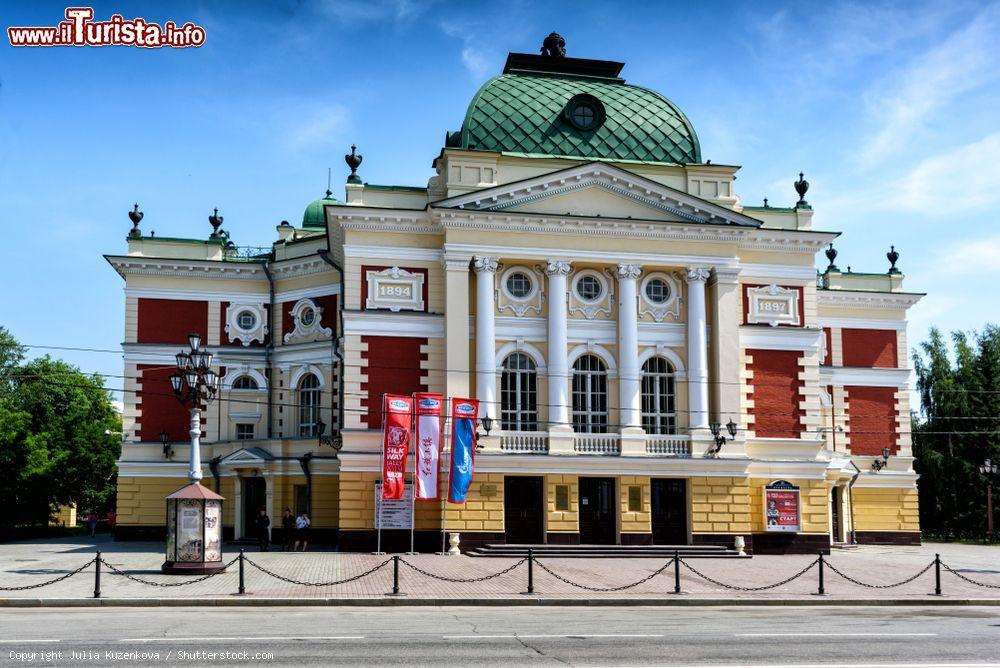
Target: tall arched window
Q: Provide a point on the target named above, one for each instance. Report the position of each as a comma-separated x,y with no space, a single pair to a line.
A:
659,407
309,399
519,394
590,395
245,383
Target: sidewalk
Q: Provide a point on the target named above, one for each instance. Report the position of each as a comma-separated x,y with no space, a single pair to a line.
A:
27,563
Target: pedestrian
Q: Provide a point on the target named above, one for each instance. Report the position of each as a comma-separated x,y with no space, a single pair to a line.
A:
111,519
287,530
92,524
262,524
301,531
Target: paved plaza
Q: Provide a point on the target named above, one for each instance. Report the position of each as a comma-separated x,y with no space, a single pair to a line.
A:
27,563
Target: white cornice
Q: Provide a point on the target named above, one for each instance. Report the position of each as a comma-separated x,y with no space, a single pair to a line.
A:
366,219
777,271
841,375
200,295
384,323
394,252
780,338
512,328
127,265
787,240
863,323
538,254
304,266
862,299
322,290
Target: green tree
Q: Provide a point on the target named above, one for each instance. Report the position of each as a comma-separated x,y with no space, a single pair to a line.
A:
54,448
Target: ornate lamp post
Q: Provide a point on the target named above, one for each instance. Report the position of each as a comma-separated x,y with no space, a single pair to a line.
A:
989,469
194,513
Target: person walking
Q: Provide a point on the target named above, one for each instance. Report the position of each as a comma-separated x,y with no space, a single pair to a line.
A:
287,530
262,525
92,524
301,531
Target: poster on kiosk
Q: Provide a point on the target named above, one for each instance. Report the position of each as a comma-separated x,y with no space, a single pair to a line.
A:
781,507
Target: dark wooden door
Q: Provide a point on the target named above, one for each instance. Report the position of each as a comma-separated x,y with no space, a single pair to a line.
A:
835,512
597,511
523,510
669,506
254,498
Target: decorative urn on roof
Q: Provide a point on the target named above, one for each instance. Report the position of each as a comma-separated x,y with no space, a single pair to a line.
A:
554,46
215,220
353,161
136,217
831,255
893,257
802,187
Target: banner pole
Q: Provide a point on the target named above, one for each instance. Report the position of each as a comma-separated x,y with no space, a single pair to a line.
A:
378,499
442,485
414,426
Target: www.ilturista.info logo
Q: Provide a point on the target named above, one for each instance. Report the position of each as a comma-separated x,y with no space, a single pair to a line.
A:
79,29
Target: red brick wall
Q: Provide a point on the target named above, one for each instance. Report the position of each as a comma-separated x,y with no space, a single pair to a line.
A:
158,409
171,320
871,415
870,347
364,282
776,391
828,335
746,305
393,368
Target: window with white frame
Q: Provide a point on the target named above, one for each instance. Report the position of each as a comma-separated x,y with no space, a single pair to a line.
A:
590,395
659,406
309,400
244,431
519,394
245,383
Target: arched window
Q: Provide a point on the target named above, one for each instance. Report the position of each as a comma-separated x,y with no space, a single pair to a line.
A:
659,407
519,394
245,383
309,398
590,395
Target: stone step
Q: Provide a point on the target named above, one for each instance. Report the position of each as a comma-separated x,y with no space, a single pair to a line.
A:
604,551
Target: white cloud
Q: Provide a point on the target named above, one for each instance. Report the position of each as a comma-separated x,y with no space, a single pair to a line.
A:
964,179
319,125
971,256
352,11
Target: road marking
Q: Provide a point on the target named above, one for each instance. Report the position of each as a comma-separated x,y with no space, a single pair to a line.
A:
844,665
18,642
559,635
832,635
230,639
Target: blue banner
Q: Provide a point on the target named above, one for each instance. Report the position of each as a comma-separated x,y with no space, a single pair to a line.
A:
463,448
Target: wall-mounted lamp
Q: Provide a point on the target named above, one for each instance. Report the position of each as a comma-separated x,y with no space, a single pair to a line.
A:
880,464
168,452
720,439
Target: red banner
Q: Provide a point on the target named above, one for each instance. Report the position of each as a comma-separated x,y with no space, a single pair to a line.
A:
397,417
428,444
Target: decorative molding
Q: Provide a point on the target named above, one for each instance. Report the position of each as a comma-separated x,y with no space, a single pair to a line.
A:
697,274
395,252
303,330
672,306
628,272
667,353
293,382
604,304
534,253
533,301
865,299
381,323
777,271
246,335
307,266
806,340
234,372
376,220
786,240
196,295
840,375
519,346
773,305
395,289
557,268
321,290
592,348
863,323
482,264
128,265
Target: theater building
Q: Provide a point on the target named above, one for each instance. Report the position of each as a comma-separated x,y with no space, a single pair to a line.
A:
576,265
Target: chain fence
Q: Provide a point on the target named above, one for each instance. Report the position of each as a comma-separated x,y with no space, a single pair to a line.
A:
530,561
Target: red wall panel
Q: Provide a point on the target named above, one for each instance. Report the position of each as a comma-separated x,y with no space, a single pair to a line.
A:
871,415
393,368
828,335
776,392
870,347
171,320
158,409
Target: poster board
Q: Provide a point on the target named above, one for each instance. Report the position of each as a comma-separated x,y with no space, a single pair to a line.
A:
394,513
782,507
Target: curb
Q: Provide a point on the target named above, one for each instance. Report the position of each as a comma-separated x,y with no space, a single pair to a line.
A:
481,602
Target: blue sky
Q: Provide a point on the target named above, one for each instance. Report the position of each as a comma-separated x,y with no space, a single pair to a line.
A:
890,109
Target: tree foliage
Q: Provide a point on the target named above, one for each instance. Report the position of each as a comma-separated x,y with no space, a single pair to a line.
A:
957,430
54,448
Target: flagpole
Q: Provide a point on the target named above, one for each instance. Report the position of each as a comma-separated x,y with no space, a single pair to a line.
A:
414,429
441,482
378,500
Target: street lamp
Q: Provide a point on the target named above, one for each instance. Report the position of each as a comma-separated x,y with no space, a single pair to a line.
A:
879,464
989,469
487,422
194,513
720,439
168,452
335,443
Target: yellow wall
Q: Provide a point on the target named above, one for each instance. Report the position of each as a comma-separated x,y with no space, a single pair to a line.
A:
878,509
814,497
720,505
142,500
480,513
562,520
635,522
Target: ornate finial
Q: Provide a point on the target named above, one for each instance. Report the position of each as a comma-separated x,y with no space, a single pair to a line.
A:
554,46
135,216
848,269
353,161
892,256
216,221
765,203
802,187
831,255
329,193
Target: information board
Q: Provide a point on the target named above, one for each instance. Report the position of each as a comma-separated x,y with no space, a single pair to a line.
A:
781,507
394,513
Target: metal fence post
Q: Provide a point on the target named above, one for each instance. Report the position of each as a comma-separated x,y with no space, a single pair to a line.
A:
243,589
97,575
395,574
822,589
531,571
937,574
677,572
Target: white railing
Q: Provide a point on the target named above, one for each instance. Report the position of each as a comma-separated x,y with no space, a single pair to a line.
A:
668,444
597,444
531,442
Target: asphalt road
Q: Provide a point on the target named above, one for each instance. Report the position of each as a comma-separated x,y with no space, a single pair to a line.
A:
472,636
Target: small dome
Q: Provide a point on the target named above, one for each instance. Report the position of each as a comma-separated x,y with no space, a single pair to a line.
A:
315,213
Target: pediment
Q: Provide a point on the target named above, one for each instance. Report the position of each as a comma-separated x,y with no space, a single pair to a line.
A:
598,190
247,456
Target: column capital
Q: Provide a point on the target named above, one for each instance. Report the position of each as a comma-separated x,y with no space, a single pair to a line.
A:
557,268
486,264
725,275
455,262
629,272
697,274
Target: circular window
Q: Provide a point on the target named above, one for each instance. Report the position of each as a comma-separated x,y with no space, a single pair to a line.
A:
658,291
588,288
308,317
519,285
584,115
246,320
584,112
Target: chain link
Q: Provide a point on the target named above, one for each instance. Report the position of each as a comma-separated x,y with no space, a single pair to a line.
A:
479,579
129,576
49,582
315,584
871,586
600,589
738,588
969,580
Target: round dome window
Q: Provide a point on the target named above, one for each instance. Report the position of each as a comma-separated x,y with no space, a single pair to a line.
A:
584,112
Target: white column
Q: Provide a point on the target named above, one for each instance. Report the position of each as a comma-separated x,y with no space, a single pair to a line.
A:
558,343
697,340
194,463
486,376
630,398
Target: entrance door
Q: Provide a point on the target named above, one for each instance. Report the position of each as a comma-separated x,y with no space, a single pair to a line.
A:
523,510
835,504
597,511
254,498
669,511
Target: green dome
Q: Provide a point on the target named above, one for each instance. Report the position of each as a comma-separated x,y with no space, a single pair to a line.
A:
533,114
315,214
